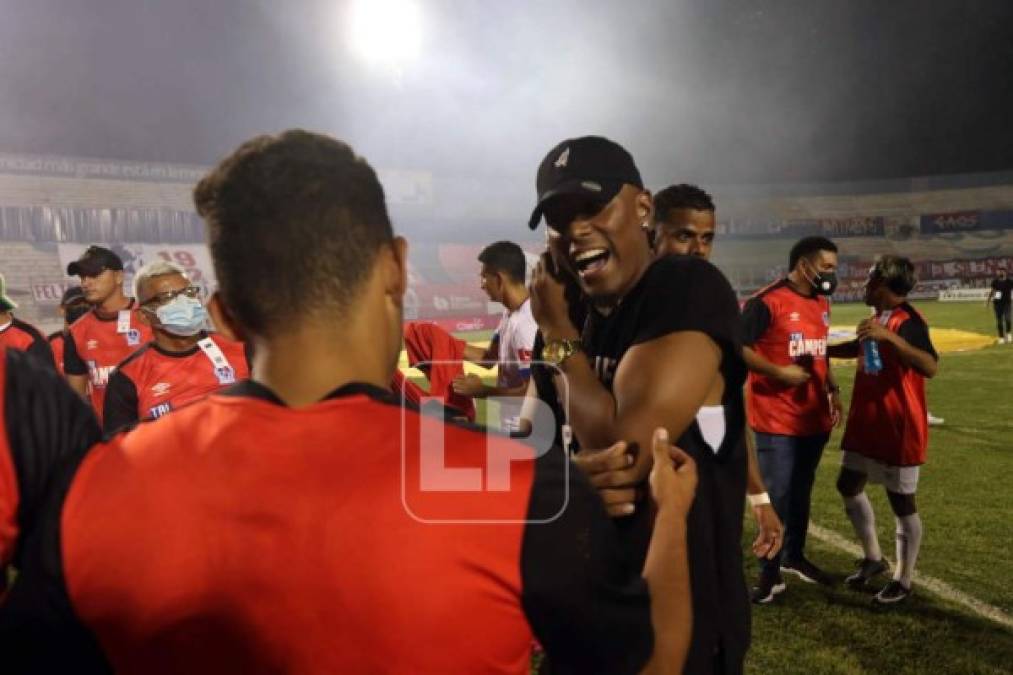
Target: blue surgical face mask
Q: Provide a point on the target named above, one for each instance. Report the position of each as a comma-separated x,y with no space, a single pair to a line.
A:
182,316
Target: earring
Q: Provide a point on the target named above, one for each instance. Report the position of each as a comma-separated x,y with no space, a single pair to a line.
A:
645,225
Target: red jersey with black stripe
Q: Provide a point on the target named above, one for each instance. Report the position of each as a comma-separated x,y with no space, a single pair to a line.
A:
785,327
95,344
240,535
153,381
888,419
18,334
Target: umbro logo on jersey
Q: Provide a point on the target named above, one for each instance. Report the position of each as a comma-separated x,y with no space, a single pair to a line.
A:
563,159
161,389
794,316
91,344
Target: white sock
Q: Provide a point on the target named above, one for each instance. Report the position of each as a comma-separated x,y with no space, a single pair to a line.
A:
859,510
909,540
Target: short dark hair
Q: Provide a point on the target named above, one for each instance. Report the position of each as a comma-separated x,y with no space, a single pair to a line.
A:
294,225
506,257
681,196
807,247
897,272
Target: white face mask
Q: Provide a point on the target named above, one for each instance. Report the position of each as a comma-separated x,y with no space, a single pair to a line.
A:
182,316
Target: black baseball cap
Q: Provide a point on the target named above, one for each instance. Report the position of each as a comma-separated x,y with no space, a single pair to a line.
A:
589,165
94,261
72,294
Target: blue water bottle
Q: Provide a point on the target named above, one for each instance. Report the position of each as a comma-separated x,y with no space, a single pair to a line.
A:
870,352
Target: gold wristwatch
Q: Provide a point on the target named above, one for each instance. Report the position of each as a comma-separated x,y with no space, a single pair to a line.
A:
557,352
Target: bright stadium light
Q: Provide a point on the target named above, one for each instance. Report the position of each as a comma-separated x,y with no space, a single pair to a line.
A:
386,32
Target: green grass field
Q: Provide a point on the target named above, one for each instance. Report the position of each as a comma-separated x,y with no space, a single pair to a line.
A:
967,511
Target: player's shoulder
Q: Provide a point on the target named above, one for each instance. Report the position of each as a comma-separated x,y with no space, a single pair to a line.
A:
136,359
27,328
907,312
772,291
83,323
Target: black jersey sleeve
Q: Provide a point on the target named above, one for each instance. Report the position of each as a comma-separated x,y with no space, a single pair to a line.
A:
588,607
46,423
120,407
916,333
755,321
685,293
72,362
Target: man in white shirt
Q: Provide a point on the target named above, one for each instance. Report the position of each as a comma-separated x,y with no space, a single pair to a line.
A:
503,279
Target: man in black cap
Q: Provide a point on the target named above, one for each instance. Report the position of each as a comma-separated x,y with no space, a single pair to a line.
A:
72,307
661,341
103,337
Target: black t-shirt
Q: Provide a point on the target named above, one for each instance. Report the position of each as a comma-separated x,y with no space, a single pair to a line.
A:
1005,289
683,293
915,332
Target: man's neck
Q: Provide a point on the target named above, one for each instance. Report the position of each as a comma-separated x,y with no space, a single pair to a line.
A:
514,297
5,319
889,304
304,365
800,284
114,303
176,344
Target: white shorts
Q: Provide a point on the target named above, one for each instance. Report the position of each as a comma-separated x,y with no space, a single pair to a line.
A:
902,480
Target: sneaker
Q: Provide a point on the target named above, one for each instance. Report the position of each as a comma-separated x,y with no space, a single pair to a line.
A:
935,421
867,569
891,593
766,588
807,572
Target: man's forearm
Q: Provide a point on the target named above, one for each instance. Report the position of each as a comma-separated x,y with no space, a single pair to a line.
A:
758,364
591,409
492,390
666,571
480,356
844,350
754,479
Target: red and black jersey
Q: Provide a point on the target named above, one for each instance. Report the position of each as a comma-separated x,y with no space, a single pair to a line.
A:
56,343
42,422
888,419
153,381
239,535
685,293
25,337
94,345
784,327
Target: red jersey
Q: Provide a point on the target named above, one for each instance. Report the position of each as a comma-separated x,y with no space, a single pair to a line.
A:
56,344
888,419
25,337
784,327
240,535
152,381
95,345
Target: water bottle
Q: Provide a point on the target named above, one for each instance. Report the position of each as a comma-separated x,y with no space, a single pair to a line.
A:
870,352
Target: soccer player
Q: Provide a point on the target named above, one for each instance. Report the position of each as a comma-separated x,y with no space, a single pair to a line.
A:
660,342
277,526
109,333
887,435
503,278
1001,297
182,364
42,422
684,224
793,399
17,334
72,307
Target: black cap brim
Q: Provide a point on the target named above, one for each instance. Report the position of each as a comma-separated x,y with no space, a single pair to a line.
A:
586,187
84,268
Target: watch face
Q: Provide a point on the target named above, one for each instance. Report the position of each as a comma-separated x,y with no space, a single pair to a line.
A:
553,352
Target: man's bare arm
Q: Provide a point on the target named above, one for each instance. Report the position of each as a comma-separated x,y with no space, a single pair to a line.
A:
486,357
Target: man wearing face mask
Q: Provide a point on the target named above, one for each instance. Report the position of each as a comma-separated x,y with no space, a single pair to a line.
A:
182,364
793,400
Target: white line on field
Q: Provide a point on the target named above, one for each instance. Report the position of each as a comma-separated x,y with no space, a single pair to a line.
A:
937,586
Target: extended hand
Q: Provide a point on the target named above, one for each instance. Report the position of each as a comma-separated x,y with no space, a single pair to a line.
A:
793,375
468,385
770,532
